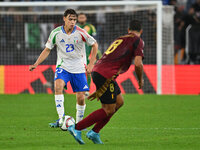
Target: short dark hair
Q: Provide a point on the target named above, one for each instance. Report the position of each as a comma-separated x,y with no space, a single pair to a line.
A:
81,13
70,12
135,25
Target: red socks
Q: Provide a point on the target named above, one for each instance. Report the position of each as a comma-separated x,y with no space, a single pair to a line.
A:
99,125
94,117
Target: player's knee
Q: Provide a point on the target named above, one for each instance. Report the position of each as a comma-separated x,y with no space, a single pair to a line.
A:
58,89
119,106
80,98
110,111
121,103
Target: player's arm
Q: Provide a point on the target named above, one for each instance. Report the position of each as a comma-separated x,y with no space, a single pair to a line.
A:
49,45
139,70
91,42
40,59
93,58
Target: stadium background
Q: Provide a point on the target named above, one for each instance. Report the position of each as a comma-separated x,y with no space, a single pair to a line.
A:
146,121
23,37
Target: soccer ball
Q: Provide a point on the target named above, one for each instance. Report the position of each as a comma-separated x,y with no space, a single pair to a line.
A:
67,121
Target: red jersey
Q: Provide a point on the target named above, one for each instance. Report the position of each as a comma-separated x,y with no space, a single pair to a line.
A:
119,55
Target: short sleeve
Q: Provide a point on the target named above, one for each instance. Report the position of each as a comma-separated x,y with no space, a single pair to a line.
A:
140,49
88,39
51,40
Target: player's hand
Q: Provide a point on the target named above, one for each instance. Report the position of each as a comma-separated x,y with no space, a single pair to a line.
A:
141,84
89,68
32,67
92,96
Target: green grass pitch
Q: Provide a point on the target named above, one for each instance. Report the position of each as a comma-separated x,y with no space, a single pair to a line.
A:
145,122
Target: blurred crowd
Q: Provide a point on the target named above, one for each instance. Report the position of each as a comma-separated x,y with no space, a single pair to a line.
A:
24,34
186,30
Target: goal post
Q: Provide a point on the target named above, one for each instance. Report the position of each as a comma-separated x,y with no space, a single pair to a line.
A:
115,13
159,47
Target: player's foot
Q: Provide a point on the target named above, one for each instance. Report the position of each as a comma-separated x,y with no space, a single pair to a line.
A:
54,124
76,134
95,137
58,123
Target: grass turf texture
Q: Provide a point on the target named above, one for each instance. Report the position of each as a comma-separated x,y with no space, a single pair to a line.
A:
148,122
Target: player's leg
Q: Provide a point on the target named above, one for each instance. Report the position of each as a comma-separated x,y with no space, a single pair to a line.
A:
119,102
80,106
111,100
59,101
60,80
103,115
92,134
59,97
100,114
99,125
108,99
79,85
110,110
94,117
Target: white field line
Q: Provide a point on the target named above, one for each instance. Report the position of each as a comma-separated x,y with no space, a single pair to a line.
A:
116,128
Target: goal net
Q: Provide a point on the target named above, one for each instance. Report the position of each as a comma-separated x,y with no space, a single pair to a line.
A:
25,28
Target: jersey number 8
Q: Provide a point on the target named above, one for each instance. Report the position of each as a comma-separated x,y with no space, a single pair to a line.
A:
114,45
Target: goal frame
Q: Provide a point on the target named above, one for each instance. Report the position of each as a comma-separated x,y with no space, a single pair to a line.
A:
158,5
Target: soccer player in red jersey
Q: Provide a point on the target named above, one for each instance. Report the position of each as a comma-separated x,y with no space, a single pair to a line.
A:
116,60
